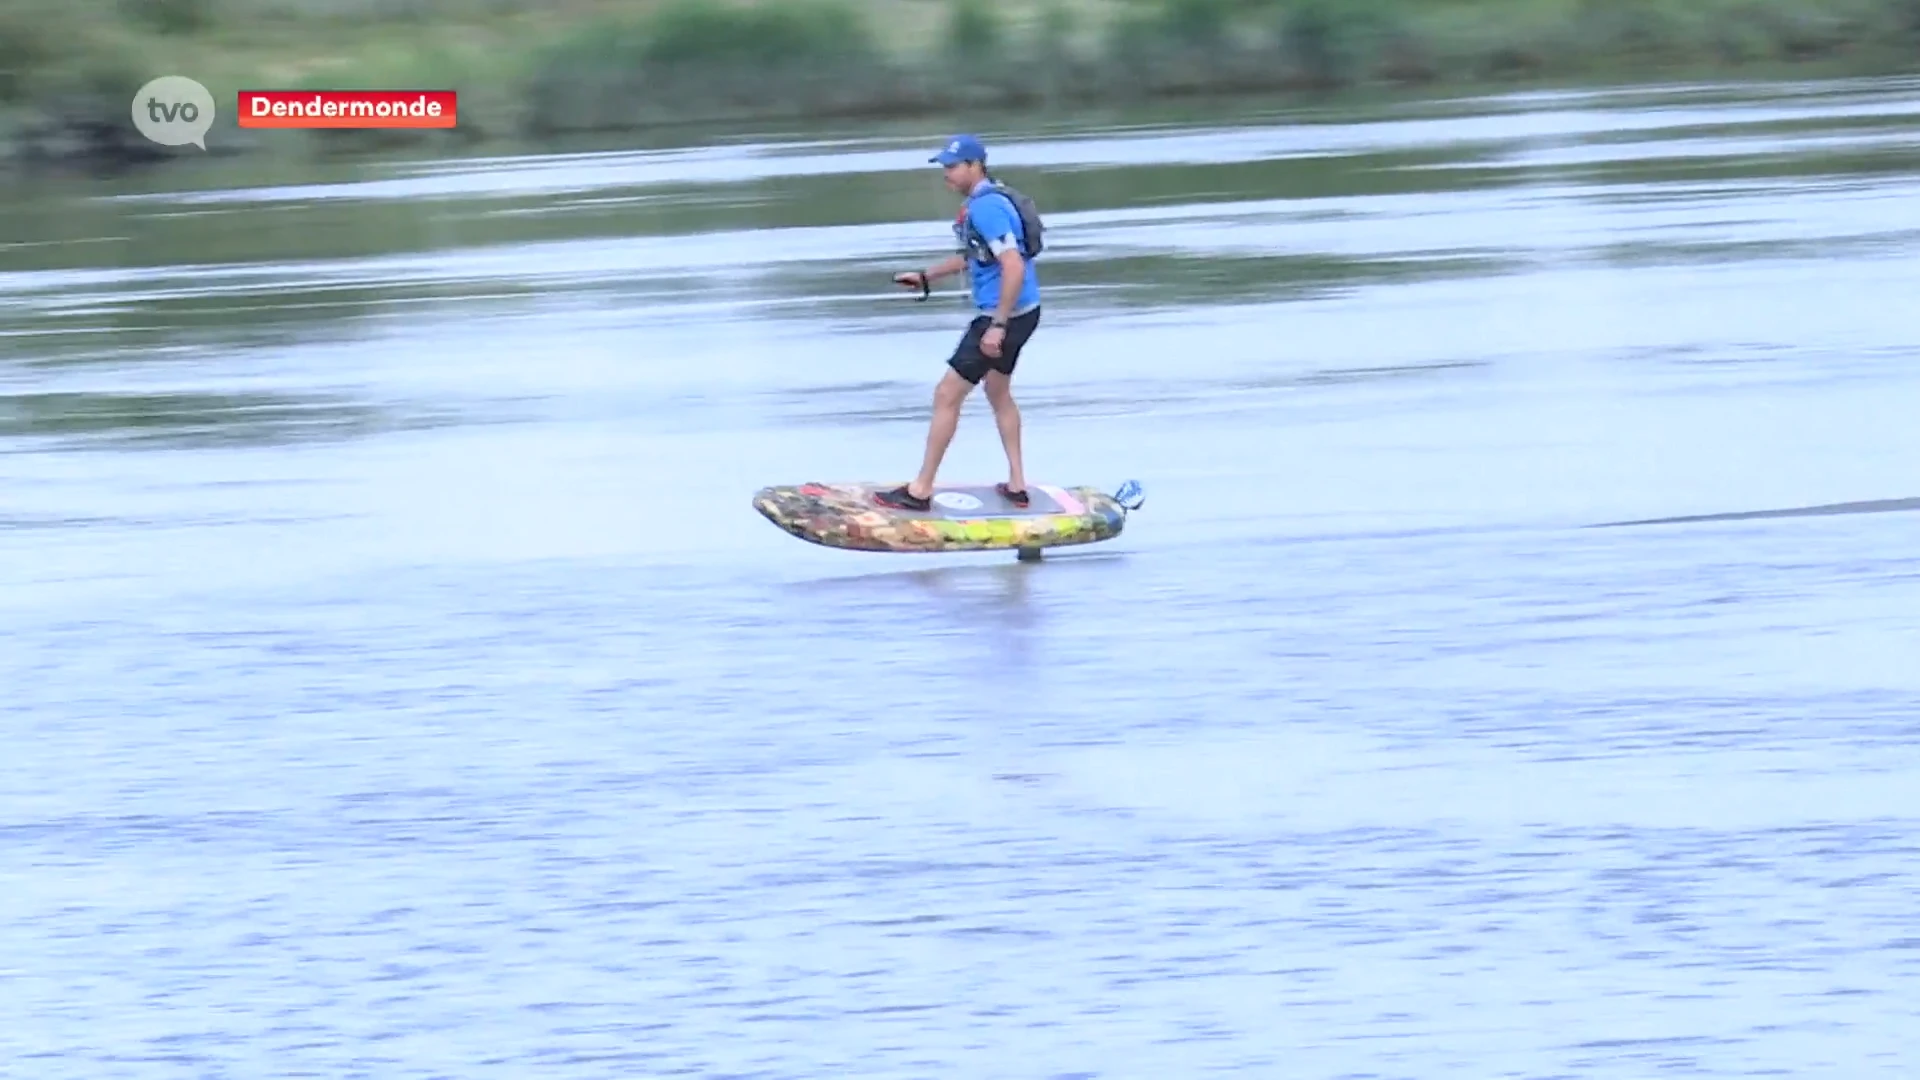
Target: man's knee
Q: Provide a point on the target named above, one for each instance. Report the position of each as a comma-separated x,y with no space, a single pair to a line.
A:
999,389
951,391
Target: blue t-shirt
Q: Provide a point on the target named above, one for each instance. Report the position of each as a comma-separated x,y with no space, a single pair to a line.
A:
997,221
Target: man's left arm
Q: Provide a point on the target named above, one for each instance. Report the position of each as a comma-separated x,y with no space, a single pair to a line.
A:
996,221
1013,273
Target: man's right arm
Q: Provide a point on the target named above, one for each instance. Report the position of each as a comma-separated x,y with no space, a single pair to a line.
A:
924,279
952,264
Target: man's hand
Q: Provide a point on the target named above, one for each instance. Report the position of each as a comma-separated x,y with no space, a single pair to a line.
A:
990,341
916,279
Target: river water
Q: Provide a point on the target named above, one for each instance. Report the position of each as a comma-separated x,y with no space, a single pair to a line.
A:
399,683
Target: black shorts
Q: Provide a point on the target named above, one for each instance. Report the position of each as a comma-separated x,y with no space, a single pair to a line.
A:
971,364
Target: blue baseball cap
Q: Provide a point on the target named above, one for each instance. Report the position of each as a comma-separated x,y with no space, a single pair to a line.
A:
960,148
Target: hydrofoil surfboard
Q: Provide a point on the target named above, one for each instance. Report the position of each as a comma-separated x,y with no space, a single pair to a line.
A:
962,517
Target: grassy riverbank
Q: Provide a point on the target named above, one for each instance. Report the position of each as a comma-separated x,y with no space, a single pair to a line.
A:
534,69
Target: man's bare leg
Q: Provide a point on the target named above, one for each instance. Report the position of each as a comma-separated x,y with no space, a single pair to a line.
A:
947,399
1006,416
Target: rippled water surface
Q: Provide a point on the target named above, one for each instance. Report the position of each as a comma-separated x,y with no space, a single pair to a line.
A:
399,682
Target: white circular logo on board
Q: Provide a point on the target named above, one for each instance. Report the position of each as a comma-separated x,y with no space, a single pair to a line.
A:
957,500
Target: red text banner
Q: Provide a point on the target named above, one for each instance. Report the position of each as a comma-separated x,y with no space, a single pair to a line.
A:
347,108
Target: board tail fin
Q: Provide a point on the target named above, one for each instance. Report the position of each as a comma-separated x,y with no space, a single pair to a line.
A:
1131,495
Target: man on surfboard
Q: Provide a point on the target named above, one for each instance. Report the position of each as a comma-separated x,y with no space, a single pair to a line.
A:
994,245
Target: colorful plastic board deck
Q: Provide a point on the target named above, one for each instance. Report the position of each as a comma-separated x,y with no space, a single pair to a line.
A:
964,517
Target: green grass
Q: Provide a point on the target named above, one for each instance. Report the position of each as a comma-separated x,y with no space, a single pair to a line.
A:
543,69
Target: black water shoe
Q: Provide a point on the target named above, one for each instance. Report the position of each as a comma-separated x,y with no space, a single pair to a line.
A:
902,499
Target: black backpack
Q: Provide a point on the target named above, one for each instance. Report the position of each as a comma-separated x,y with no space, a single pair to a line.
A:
1031,243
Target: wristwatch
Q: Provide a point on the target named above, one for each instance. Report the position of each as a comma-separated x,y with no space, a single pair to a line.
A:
998,323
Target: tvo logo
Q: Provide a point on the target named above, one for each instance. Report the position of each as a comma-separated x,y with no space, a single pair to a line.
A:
173,110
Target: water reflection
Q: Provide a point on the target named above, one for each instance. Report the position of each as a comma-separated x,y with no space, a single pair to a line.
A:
1197,216
187,419
1001,616
1869,506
